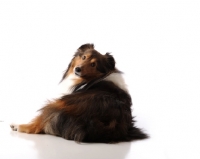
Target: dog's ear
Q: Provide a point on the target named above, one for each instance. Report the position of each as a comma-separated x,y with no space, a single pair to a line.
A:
65,72
85,47
110,61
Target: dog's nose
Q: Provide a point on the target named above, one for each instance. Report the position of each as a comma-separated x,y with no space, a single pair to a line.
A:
78,69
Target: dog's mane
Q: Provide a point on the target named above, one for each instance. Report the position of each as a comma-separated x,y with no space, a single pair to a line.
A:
87,85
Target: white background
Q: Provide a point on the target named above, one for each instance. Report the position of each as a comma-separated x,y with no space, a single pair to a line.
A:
155,43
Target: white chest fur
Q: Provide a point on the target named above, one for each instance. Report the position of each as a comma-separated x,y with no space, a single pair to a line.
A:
65,87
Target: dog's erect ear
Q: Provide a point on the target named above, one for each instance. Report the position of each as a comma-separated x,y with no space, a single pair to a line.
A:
110,61
85,47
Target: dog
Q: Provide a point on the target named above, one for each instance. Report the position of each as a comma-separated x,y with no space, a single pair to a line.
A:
95,105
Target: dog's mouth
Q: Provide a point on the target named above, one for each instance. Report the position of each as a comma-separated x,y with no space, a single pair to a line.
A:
78,74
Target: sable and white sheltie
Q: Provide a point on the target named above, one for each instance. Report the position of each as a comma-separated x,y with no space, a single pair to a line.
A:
95,105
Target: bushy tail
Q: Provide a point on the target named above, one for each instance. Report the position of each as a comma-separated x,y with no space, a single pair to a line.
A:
135,133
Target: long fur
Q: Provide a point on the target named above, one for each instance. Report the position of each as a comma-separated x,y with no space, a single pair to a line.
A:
95,105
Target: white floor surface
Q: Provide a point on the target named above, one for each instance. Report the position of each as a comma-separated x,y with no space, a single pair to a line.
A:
15,145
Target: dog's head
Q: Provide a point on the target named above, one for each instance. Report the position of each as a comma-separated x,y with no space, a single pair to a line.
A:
88,64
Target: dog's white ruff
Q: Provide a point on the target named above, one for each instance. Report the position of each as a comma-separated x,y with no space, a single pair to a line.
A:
117,79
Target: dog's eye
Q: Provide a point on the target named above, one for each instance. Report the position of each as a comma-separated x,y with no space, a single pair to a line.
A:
93,64
84,57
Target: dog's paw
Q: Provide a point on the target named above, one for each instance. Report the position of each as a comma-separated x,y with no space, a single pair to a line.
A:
14,127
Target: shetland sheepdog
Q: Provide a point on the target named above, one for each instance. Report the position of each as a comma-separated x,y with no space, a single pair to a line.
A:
95,105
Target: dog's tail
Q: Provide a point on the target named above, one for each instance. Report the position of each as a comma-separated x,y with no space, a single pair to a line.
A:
135,133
